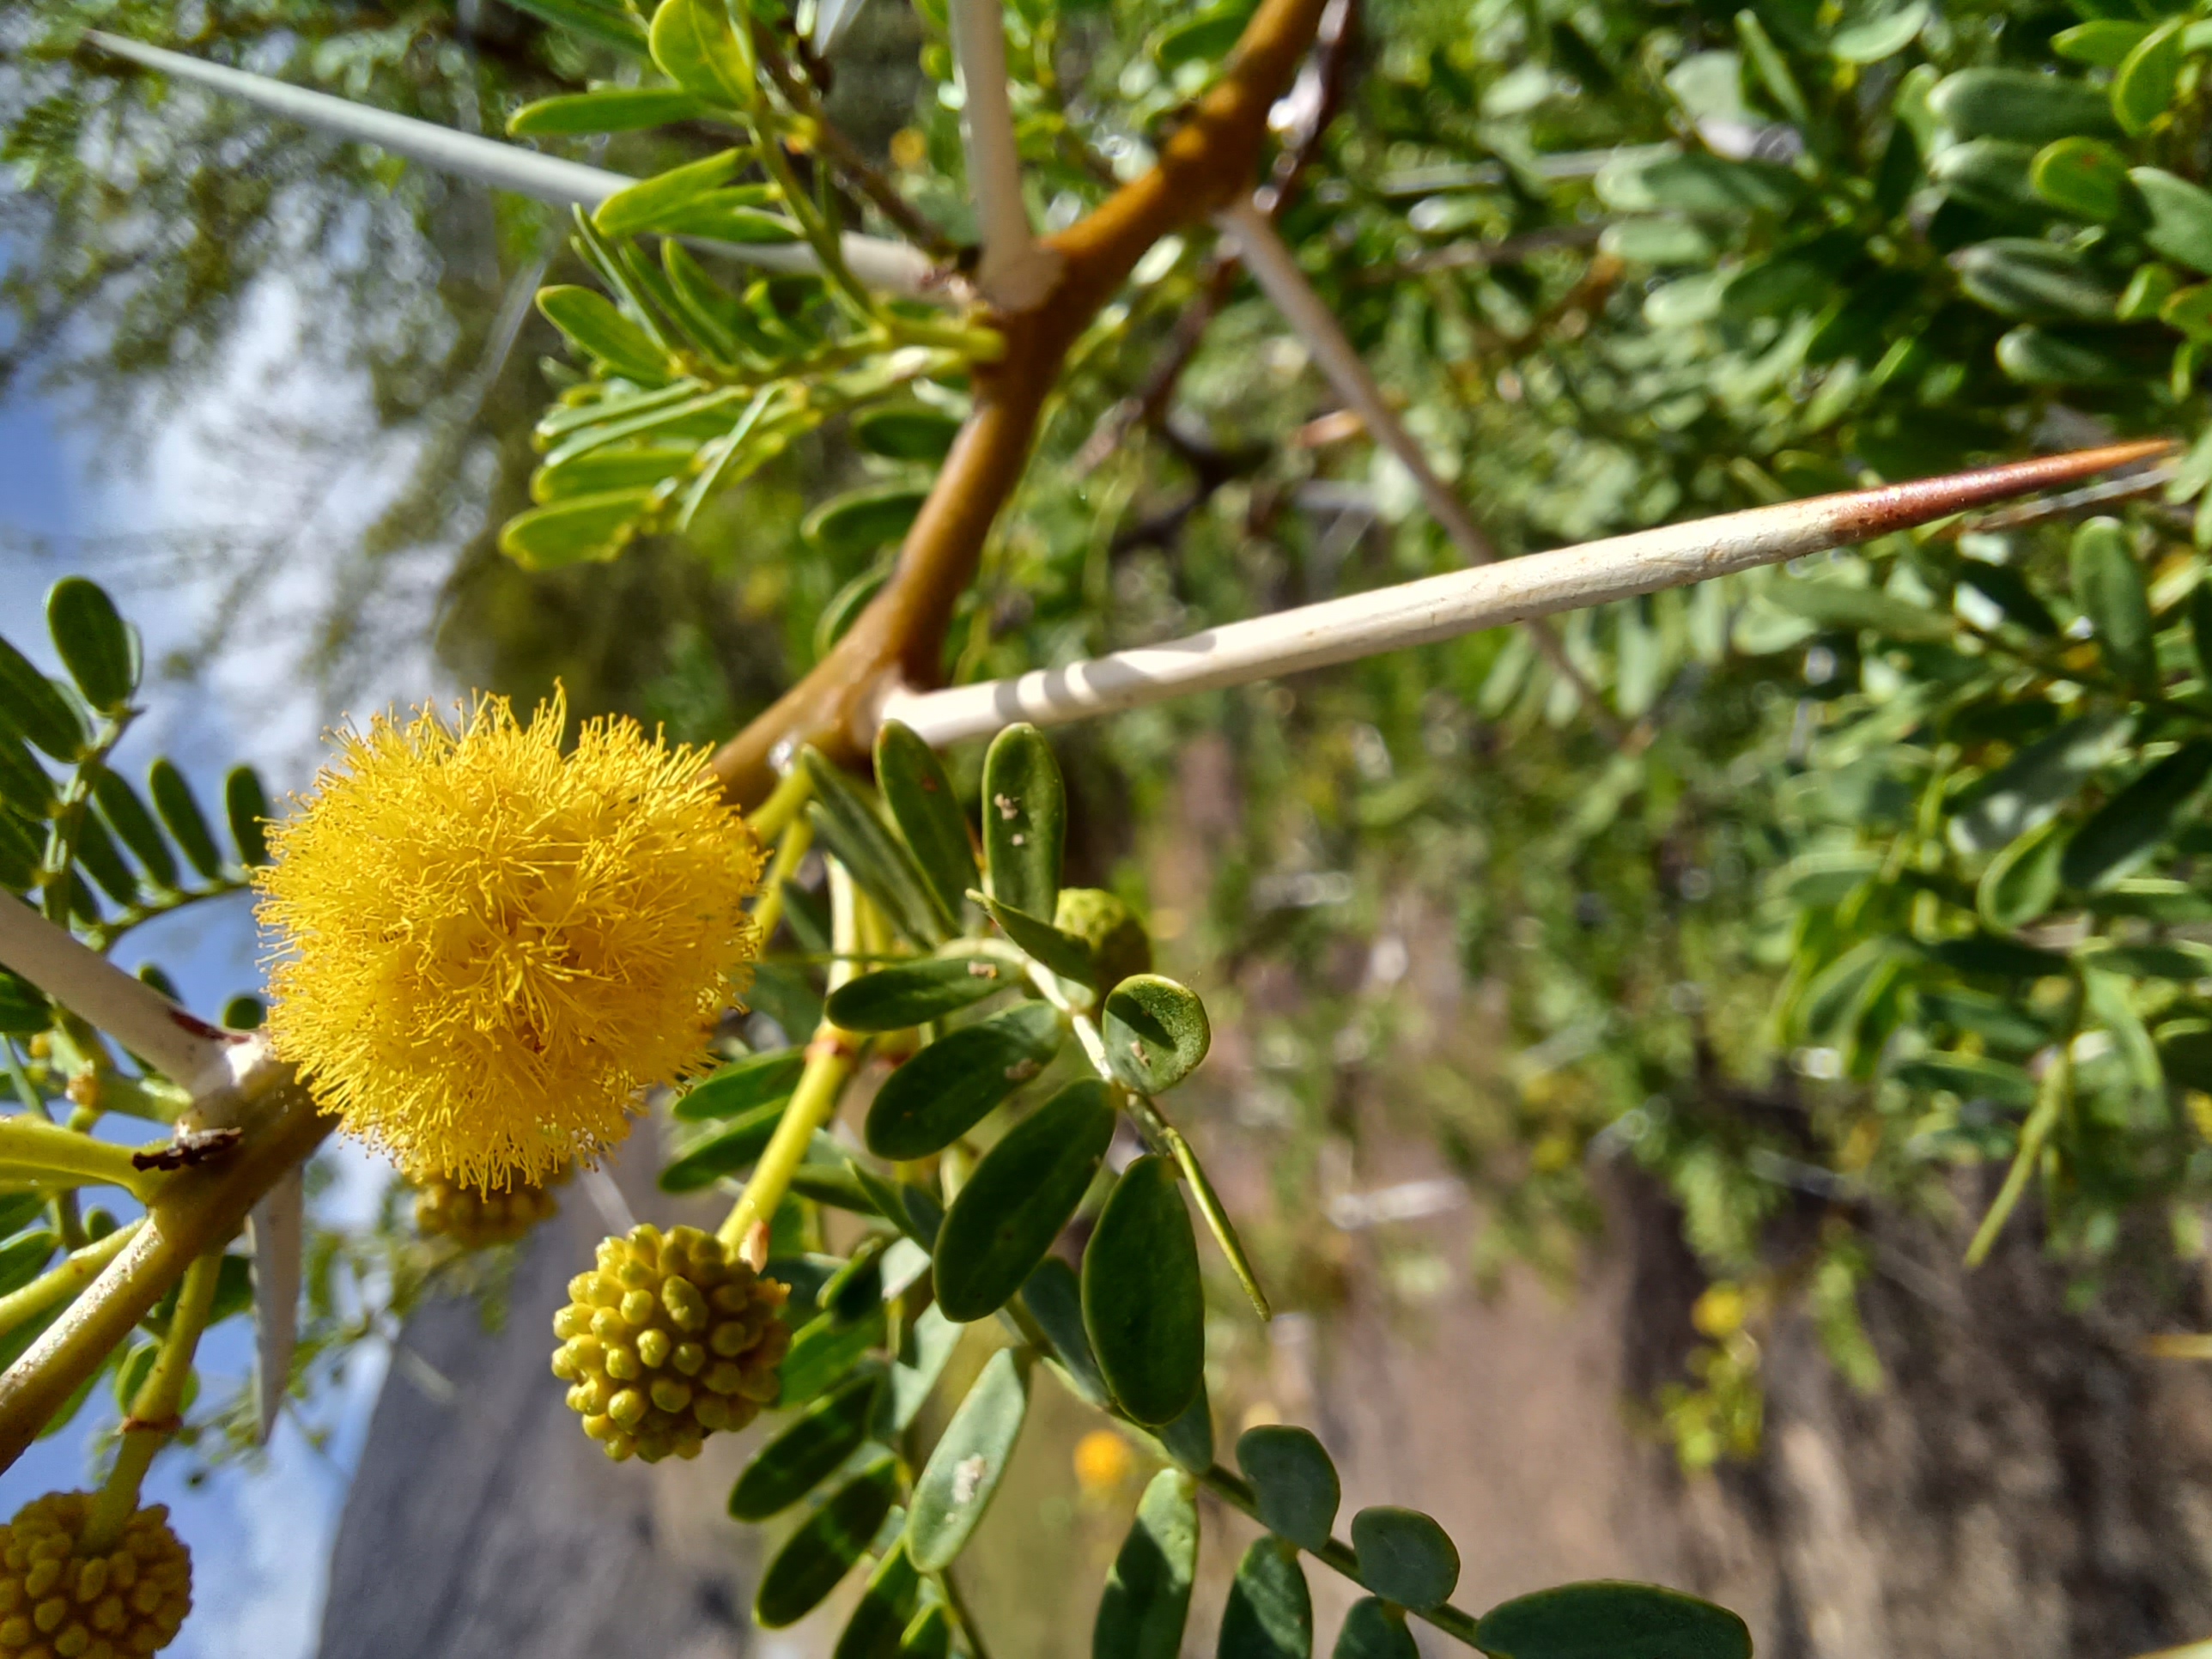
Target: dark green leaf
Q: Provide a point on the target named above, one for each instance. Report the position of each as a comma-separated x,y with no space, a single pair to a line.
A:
913,1210
838,1185
2183,962
605,109
97,857
887,1608
1055,1300
1156,1032
930,1342
2037,354
824,1350
245,804
21,854
944,1091
1970,1078
912,993
1373,1629
2129,827
24,1011
2035,280
1404,1556
647,203
1270,1611
127,815
25,785
1142,1304
736,1148
1148,1592
2180,227
575,530
807,1452
2109,587
878,859
608,24
1293,1480
1612,1620
2144,85
1063,952
1011,1209
2104,43
39,709
2029,789
243,1013
1881,37
597,328
2009,591
1699,184
1024,821
1993,174
2018,105
909,433
2084,177
2184,1050
922,802
930,1635
816,1558
850,525
98,647
181,816
25,1258
2000,958
2021,881
963,1474
742,1086
1188,1441
1203,38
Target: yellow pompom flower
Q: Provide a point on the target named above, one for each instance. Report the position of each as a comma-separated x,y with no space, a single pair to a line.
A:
490,948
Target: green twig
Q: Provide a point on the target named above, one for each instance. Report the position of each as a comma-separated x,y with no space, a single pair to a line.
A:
153,1411
51,1155
2051,1100
61,1284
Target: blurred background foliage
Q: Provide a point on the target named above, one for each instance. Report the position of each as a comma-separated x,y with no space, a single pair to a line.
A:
1900,875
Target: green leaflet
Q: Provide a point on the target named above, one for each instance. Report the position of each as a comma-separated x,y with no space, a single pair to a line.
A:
1148,1592
824,1349
1373,1629
825,1547
126,815
813,1448
1025,822
906,433
885,1610
596,327
648,203
1293,1482
742,1086
24,1009
1054,1298
1404,1556
912,993
922,804
605,109
963,1474
1612,1620
2085,177
2147,77
1020,1196
2109,587
2129,827
2018,105
943,1091
1142,1304
851,828
2029,789
1270,1611
736,1148
579,530
245,804
39,709
2180,227
694,44
98,647
848,526
25,785
1063,952
2035,282
1156,1032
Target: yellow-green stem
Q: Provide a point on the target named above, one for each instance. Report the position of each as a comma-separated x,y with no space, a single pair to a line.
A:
769,819
767,909
829,1063
45,1149
154,1412
77,1270
2050,1102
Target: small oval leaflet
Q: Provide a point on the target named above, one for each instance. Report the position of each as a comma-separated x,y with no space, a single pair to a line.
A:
735,1148
607,109
98,647
2108,586
911,994
1148,1591
1055,1300
856,833
742,1085
596,327
574,530
246,804
134,825
1142,1304
927,813
824,1349
887,1608
1189,1440
907,433
1373,1629
1156,1032
944,1091
963,1474
2129,827
1270,1611
2019,105
849,526
807,1452
1012,1208
2085,177
38,708
1293,1480
1404,1556
1061,952
695,47
2145,83
24,784
1608,1619
1024,821
2021,881
24,1009
816,1558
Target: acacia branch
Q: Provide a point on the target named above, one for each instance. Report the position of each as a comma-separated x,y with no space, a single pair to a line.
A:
899,638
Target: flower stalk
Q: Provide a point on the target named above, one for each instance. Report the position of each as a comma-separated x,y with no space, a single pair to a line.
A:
153,1411
50,1154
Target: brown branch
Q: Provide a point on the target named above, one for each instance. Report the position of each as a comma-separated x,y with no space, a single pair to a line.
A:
900,637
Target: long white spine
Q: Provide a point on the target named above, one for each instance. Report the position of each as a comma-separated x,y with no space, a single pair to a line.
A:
1015,272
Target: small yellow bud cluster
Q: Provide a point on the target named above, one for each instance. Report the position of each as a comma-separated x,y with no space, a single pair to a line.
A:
57,1603
669,1340
477,1221
1115,937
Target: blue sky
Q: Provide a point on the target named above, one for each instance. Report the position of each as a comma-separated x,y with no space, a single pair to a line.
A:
260,1540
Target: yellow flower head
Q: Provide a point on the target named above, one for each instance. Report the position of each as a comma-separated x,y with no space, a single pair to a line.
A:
491,949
